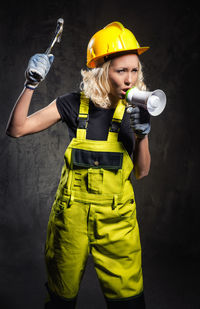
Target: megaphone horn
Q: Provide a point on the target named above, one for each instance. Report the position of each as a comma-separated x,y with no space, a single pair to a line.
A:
154,101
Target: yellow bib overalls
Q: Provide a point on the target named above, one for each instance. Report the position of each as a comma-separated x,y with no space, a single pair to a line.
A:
94,212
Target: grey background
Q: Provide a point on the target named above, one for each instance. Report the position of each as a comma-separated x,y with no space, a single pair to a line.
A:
167,200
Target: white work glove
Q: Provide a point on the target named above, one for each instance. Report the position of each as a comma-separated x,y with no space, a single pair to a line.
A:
38,67
139,121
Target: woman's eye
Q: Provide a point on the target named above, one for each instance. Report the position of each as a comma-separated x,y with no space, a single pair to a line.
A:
123,70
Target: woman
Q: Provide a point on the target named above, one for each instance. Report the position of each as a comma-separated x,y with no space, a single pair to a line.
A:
94,209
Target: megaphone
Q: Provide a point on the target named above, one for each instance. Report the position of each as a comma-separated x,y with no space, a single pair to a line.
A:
154,101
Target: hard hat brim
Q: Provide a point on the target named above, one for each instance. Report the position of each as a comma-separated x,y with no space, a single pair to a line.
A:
95,62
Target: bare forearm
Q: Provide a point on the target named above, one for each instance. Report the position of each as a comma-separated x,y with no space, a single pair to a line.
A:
19,113
142,158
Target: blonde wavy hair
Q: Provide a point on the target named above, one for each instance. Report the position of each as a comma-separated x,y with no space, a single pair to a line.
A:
95,84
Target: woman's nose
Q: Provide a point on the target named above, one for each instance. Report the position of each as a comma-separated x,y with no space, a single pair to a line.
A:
127,80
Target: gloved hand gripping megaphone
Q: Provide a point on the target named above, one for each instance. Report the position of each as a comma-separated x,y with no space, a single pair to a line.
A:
154,102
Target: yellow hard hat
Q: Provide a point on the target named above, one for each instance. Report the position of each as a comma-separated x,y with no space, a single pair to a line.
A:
114,38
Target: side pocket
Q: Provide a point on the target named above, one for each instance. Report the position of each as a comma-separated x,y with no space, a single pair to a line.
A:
126,210
95,180
60,205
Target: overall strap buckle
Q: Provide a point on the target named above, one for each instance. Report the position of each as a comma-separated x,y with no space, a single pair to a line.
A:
82,121
83,117
116,122
115,126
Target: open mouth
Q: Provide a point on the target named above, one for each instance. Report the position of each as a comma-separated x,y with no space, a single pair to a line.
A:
124,90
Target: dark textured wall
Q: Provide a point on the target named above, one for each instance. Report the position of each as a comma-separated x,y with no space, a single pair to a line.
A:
167,200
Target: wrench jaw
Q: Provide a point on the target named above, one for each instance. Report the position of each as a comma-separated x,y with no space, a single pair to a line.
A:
60,24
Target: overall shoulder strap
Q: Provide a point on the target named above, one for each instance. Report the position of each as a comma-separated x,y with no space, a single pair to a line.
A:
83,117
116,122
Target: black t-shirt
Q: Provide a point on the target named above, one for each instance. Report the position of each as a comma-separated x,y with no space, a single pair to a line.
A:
99,120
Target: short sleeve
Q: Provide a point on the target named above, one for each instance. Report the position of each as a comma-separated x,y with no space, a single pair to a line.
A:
68,108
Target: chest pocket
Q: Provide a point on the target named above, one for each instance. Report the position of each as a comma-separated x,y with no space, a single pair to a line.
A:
103,169
95,159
